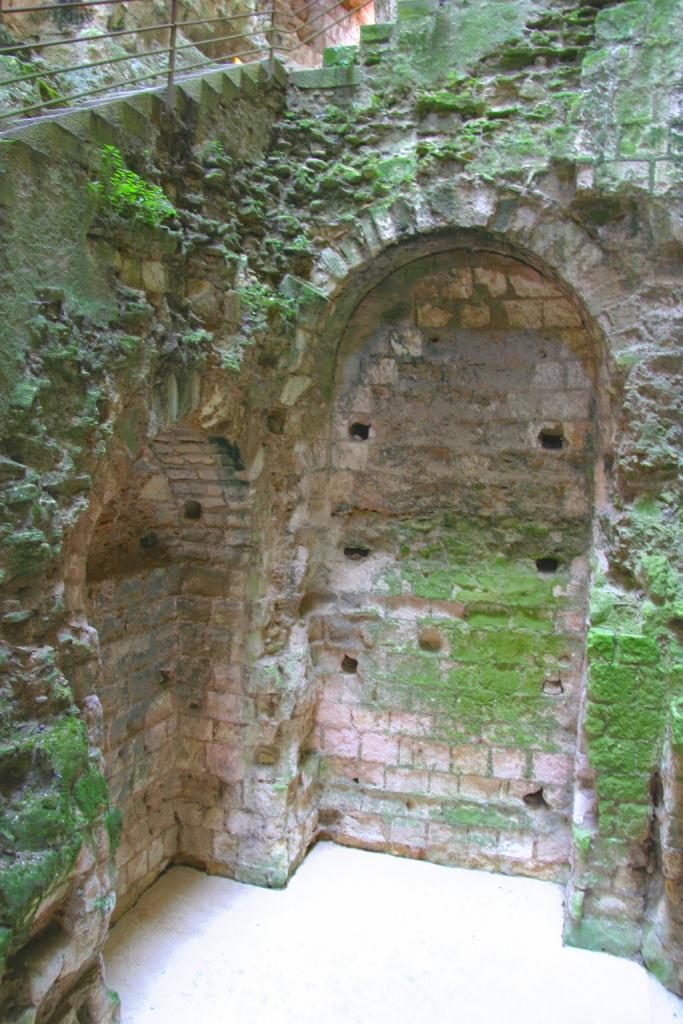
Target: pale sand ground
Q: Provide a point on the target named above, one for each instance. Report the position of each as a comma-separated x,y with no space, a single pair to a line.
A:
365,938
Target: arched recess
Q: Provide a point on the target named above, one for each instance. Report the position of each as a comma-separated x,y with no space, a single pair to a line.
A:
447,604
162,580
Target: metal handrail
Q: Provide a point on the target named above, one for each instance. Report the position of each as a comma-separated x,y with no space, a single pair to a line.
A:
66,4
10,51
83,67
172,24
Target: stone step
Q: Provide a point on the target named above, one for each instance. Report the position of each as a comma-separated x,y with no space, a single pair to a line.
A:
375,39
326,78
212,94
103,132
133,120
228,84
188,94
253,77
202,95
115,119
409,9
234,75
54,139
15,153
151,105
280,74
124,119
78,122
72,133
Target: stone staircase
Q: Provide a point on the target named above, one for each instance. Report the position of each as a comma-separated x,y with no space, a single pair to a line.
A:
132,116
127,116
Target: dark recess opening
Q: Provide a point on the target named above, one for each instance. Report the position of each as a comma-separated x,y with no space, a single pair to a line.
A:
430,640
229,454
547,565
276,421
535,800
356,554
360,431
552,440
192,510
656,789
349,665
553,687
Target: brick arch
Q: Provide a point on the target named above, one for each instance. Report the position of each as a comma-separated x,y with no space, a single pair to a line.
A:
545,225
535,226
414,752
156,578
592,287
611,278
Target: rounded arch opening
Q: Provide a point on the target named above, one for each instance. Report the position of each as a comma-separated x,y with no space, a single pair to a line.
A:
162,588
461,503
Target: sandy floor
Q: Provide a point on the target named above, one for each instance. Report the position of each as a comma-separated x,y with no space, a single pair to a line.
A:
365,938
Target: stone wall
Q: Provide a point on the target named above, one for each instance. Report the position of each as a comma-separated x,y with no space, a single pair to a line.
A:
165,573
335,341
450,667
135,619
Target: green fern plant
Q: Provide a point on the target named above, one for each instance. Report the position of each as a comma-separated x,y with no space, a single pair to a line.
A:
127,194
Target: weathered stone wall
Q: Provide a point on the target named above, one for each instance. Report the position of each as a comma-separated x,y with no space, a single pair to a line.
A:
662,942
57,894
166,586
456,562
136,622
257,315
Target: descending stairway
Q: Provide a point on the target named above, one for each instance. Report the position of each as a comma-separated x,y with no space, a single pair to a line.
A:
129,115
132,116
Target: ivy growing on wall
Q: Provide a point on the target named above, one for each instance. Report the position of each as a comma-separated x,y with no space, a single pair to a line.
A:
125,193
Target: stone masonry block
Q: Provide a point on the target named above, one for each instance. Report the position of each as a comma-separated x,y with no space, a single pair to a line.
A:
410,725
408,832
224,707
475,316
337,715
476,788
524,314
495,281
376,747
528,283
556,768
560,313
469,759
432,755
444,785
509,764
403,781
341,742
365,828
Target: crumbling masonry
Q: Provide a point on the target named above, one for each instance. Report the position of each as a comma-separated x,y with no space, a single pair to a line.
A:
346,501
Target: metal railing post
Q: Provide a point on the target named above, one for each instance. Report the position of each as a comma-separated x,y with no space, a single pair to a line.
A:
173,33
271,41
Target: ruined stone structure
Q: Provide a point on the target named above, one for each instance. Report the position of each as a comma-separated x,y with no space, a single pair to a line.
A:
79,36
342,498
